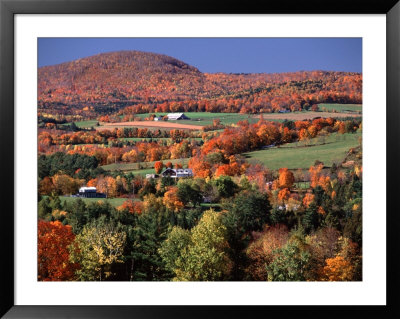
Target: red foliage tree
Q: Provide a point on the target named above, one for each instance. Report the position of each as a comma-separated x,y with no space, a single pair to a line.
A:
158,166
53,254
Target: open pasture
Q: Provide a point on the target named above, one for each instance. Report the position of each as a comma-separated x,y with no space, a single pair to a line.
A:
206,118
344,108
83,124
329,150
113,201
305,115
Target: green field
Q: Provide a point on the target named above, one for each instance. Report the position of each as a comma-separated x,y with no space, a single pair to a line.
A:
302,185
84,124
146,167
206,118
353,108
330,149
113,201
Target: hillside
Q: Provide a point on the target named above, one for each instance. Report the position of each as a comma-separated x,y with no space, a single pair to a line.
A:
125,75
111,81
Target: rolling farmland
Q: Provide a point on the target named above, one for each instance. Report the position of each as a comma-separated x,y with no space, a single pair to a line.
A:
345,108
297,155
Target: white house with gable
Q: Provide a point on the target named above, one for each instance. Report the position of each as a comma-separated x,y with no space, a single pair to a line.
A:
177,116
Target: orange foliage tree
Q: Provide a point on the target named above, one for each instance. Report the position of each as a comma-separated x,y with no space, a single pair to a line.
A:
286,178
231,169
308,199
171,199
284,194
131,206
53,254
315,174
158,166
200,167
337,269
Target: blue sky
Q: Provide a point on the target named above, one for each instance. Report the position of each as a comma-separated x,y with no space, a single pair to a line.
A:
230,55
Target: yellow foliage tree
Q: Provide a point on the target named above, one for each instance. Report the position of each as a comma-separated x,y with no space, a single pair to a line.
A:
337,269
171,200
96,249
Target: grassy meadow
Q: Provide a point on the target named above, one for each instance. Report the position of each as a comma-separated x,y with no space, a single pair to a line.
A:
354,108
206,118
113,201
84,124
329,150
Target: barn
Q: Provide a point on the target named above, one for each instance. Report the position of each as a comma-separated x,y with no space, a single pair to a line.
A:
177,116
90,192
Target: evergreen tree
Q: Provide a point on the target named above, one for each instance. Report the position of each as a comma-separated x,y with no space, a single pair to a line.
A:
248,212
310,219
148,234
44,209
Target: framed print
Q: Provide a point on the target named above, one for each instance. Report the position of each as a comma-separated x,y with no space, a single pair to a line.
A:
167,159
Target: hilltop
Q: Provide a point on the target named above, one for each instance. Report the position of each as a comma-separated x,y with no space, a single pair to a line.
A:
126,78
118,75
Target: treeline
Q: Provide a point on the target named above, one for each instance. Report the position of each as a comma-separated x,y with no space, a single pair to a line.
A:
49,137
80,164
144,151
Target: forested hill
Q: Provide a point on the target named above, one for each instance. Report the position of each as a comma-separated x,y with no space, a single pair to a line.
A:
118,75
128,78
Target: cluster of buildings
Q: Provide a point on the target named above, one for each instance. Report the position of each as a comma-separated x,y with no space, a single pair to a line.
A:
173,173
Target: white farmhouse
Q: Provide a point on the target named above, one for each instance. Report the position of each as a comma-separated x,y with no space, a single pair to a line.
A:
177,116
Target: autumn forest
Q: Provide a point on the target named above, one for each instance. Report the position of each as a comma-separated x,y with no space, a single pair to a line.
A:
151,170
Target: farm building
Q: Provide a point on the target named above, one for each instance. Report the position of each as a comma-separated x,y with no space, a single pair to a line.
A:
177,173
90,192
177,116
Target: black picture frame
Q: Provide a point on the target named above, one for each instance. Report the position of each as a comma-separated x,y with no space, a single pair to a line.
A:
8,8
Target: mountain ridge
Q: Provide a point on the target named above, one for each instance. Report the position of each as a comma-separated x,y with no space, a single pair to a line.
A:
130,77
